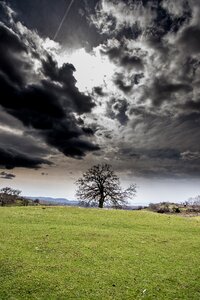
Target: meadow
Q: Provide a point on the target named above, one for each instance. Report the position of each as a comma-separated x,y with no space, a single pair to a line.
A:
76,253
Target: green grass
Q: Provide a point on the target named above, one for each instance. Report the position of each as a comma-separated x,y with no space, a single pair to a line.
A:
72,253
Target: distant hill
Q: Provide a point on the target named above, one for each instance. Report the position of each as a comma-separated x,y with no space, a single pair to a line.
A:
64,201
56,201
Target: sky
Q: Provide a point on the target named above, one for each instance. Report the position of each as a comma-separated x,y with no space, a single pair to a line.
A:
100,81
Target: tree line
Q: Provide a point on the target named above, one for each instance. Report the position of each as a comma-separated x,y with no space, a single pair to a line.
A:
9,196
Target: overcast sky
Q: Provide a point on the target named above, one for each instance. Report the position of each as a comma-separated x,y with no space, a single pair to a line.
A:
95,81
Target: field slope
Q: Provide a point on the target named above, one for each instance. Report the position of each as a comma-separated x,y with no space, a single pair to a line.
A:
73,253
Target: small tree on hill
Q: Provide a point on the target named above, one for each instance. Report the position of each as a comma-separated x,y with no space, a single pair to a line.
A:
101,185
8,195
193,201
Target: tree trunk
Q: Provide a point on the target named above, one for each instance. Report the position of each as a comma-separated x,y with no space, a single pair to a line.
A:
101,201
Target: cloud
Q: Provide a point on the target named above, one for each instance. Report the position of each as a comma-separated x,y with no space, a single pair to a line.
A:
75,32
121,82
10,158
20,147
99,91
116,15
44,174
64,75
5,175
154,46
156,153
144,115
41,95
189,39
190,105
163,90
176,9
122,55
10,62
190,156
140,18
116,109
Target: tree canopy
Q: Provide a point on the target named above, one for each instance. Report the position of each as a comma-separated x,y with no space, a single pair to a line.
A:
100,185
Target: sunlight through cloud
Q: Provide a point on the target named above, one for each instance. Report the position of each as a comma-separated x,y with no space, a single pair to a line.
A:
92,69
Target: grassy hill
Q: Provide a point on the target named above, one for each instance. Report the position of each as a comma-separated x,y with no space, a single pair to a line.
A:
73,253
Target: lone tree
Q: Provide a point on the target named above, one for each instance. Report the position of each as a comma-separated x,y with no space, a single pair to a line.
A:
101,185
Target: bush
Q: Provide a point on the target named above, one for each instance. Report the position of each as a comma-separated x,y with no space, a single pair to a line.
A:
195,209
154,207
163,209
176,209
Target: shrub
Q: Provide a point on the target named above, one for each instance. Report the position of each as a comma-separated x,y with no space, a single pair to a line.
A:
160,208
176,209
154,207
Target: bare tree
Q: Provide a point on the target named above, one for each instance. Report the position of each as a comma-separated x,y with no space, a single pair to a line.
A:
101,185
193,201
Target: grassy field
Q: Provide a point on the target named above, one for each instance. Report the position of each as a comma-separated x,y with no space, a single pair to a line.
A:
73,253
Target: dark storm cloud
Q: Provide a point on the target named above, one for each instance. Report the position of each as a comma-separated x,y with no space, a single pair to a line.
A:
24,141
10,62
190,105
167,131
37,107
82,103
155,48
6,12
163,162
48,105
22,150
8,120
151,103
5,175
162,144
10,158
189,39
